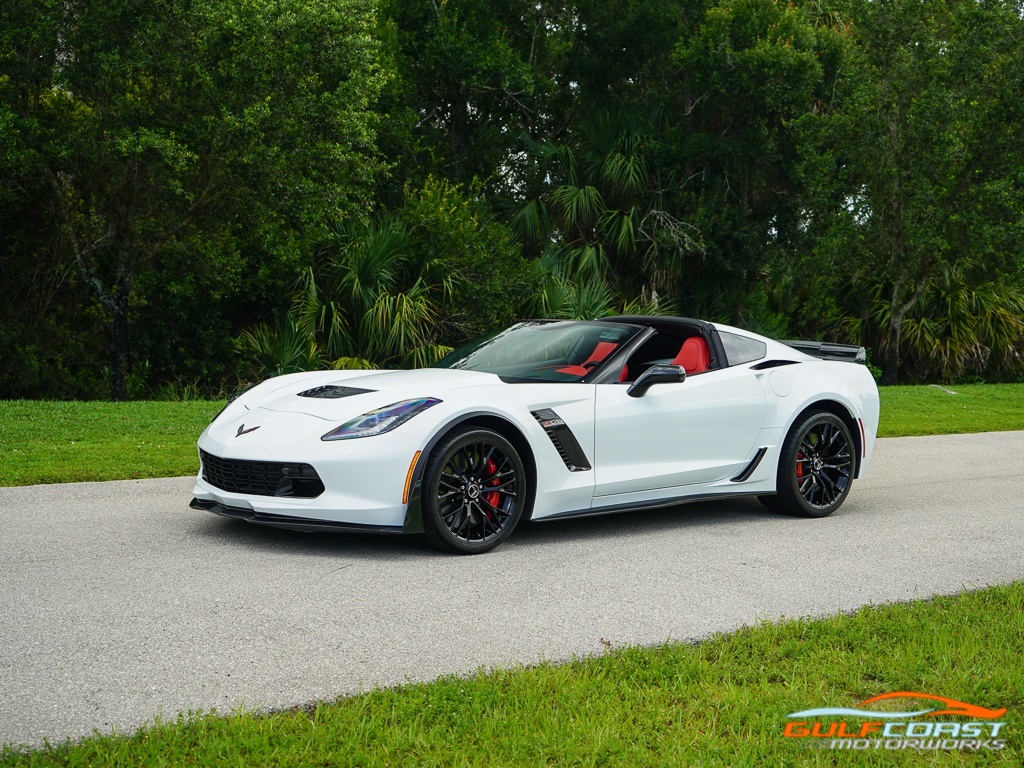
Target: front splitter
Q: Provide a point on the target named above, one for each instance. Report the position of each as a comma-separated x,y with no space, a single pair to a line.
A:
305,524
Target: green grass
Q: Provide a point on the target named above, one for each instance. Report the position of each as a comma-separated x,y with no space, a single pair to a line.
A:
930,411
721,702
60,442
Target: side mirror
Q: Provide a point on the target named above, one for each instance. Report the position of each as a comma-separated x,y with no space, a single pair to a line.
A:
656,374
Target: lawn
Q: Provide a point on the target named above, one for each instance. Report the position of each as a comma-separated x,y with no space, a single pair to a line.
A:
933,411
61,442
57,442
722,702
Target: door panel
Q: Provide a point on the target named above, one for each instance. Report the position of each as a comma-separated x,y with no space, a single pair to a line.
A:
697,431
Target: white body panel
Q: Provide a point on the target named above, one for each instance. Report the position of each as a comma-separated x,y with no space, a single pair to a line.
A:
678,441
697,431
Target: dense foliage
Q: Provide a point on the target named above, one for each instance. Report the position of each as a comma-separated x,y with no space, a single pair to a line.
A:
193,193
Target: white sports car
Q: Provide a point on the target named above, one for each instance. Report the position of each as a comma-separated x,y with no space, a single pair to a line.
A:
546,420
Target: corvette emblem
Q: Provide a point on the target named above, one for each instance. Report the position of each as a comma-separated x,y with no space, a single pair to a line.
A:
243,431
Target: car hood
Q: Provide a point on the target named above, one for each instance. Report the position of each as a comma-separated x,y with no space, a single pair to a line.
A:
381,388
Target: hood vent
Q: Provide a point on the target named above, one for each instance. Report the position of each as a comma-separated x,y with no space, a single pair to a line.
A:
333,392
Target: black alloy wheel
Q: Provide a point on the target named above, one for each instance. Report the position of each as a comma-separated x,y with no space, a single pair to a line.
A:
474,491
816,467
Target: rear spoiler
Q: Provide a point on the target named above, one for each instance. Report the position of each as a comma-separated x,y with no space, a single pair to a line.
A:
826,350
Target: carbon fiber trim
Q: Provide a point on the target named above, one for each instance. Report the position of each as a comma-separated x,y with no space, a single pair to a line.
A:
751,466
289,522
333,392
563,439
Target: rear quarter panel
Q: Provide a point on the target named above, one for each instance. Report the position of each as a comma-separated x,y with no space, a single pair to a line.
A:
792,389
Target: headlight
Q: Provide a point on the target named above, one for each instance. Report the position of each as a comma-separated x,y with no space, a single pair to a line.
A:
381,420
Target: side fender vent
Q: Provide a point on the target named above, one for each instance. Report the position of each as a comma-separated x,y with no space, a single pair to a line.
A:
749,469
563,439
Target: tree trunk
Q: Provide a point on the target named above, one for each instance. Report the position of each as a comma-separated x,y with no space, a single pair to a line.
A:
458,127
897,311
890,373
119,347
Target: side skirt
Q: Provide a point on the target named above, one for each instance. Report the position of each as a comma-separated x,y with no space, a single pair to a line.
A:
636,507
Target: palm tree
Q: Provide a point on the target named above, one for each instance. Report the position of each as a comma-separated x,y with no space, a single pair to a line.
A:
601,209
958,326
369,300
365,303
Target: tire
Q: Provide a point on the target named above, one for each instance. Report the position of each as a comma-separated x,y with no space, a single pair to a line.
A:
816,467
474,492
772,503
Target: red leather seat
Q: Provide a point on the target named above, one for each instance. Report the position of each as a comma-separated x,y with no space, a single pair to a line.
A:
600,352
694,355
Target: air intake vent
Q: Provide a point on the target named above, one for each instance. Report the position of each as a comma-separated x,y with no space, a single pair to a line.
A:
563,439
333,392
261,478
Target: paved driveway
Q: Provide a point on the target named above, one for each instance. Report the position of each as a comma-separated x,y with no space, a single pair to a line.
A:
118,603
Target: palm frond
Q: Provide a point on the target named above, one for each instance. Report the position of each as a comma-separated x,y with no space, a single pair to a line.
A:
353,364
578,301
531,222
590,263
426,355
554,260
396,324
370,259
279,348
578,207
620,227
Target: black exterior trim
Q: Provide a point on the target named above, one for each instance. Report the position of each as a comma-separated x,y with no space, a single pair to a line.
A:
563,439
261,478
333,392
826,350
609,371
305,524
751,466
773,364
636,507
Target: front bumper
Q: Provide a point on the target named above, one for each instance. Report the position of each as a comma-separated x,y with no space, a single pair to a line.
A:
291,522
362,479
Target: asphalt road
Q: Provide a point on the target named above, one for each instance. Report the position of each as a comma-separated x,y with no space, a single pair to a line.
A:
119,604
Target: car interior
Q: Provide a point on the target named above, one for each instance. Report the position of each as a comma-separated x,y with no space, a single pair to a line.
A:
669,347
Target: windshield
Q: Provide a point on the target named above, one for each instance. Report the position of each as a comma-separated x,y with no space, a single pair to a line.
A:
542,350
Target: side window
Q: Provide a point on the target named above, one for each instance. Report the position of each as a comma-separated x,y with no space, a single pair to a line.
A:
740,349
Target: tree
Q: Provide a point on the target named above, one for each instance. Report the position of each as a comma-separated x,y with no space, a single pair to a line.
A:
600,211
749,72
928,201
402,289
191,126
492,284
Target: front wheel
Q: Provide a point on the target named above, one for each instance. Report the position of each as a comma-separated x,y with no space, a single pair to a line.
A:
815,467
474,492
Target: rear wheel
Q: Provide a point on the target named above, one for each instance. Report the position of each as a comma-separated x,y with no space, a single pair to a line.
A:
815,467
474,492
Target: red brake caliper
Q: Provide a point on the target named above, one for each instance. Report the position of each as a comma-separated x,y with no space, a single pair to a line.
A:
799,465
493,497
